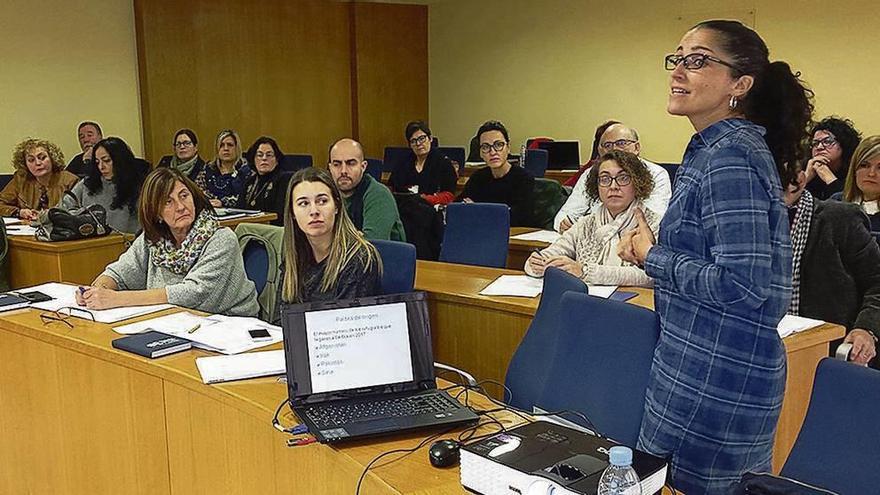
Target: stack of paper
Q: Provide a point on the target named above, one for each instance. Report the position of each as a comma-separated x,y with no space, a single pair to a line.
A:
538,235
514,285
792,324
216,369
172,324
21,229
11,220
64,296
603,291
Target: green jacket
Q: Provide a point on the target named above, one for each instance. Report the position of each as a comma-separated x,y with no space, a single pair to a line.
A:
379,218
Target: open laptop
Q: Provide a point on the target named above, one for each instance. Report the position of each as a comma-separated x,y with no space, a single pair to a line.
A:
562,155
364,367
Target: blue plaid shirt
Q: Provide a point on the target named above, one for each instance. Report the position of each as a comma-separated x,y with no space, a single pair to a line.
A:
722,282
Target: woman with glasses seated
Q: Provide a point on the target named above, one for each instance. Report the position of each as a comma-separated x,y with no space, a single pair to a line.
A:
113,180
427,172
225,176
500,182
39,180
832,145
588,250
325,256
186,156
265,187
183,257
862,185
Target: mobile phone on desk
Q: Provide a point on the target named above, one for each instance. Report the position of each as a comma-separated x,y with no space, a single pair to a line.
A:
259,334
34,296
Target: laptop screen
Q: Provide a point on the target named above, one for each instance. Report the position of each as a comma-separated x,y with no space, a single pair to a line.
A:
562,155
359,346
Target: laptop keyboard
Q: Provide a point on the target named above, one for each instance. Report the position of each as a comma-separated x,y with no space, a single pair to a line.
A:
332,415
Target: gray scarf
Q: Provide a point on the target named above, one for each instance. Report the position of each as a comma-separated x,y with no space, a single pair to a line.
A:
185,167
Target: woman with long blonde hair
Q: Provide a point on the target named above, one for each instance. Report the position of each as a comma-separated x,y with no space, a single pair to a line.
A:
324,255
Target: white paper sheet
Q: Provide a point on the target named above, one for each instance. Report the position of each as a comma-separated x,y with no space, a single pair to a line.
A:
11,220
514,285
21,229
64,296
229,334
548,236
216,369
792,324
601,290
171,324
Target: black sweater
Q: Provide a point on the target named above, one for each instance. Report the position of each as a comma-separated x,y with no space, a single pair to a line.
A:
514,189
266,193
437,175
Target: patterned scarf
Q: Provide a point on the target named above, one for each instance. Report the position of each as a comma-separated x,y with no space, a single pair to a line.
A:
609,230
180,259
800,230
185,167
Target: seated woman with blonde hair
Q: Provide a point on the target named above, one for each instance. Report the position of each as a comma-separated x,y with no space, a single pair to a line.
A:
39,180
862,184
183,257
588,250
325,257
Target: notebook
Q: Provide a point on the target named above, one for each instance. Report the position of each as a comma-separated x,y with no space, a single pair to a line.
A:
152,344
364,367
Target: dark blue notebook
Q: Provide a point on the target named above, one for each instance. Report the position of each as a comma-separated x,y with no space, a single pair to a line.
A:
152,344
622,295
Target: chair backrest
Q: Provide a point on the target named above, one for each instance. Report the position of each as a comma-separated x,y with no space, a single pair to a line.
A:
671,169
455,155
394,156
5,179
536,162
293,162
476,234
261,247
374,168
398,266
838,446
601,364
547,199
528,369
533,143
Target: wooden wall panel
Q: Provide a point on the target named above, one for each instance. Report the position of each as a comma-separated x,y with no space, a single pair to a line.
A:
391,46
276,67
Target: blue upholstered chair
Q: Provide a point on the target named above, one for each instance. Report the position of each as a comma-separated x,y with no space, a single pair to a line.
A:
476,234
293,163
374,168
530,364
601,364
394,156
398,266
536,162
838,447
456,154
256,264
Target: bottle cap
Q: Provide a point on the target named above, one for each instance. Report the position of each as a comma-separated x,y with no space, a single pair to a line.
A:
620,456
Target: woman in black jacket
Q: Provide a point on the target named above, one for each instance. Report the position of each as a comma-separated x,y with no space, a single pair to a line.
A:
427,172
265,187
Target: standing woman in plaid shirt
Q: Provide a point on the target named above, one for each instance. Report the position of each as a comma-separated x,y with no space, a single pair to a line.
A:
722,263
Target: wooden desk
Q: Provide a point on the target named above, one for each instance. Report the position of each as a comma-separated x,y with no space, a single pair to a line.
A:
518,251
480,334
79,417
32,262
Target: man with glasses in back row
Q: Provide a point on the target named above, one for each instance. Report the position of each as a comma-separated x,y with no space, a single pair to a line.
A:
623,138
500,182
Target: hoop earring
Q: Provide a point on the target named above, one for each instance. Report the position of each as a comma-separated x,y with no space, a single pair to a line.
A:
733,103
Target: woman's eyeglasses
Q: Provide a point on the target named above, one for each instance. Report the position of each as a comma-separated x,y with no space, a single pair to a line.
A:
418,140
826,142
694,61
620,179
497,146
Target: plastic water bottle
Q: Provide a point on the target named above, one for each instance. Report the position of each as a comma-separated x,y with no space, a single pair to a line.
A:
619,478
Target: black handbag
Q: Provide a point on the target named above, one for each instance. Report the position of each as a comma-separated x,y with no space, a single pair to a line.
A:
768,484
68,225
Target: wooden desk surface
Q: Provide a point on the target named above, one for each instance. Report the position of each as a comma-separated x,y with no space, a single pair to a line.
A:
480,334
34,262
78,416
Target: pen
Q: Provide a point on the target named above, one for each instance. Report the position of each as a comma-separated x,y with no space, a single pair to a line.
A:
193,329
539,253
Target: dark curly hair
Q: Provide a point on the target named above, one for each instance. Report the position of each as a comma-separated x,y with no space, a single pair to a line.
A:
128,173
642,181
844,132
778,99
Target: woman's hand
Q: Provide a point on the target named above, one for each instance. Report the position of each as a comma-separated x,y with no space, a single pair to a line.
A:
818,166
28,214
863,346
635,244
566,264
565,224
216,203
537,263
100,298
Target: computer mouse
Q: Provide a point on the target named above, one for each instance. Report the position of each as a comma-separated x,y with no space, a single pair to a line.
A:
444,453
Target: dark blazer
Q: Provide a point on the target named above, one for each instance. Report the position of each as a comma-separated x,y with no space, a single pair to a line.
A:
840,268
266,193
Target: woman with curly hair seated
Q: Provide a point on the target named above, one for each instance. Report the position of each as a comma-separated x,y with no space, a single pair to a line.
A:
588,250
39,180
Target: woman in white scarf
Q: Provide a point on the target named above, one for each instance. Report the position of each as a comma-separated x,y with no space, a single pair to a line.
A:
588,250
